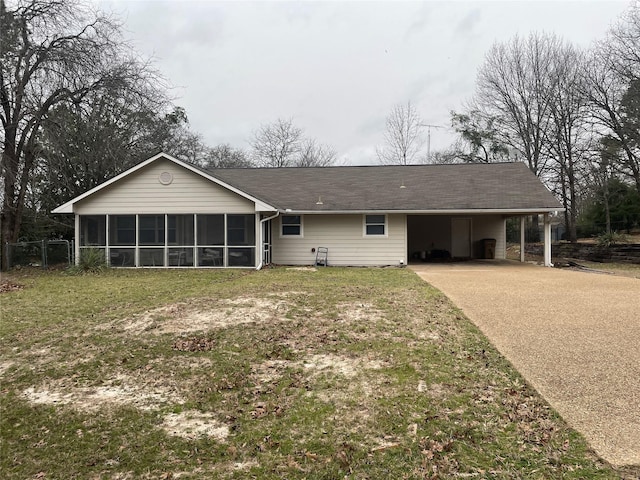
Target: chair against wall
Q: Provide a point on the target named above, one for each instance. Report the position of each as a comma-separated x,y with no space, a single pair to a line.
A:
211,256
322,256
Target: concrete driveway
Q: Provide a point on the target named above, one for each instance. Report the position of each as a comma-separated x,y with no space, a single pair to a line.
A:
574,335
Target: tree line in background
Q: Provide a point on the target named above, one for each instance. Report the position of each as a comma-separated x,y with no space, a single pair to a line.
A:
78,105
572,115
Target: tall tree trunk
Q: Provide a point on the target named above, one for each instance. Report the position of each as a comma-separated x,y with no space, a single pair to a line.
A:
573,234
607,210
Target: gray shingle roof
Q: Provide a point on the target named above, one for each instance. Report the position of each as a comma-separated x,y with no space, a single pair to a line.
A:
501,186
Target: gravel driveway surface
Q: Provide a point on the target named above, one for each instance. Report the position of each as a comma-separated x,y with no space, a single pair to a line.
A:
574,335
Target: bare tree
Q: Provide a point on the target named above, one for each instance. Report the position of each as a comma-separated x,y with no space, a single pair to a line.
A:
449,156
226,156
282,144
622,45
277,144
51,52
612,87
514,88
403,136
313,154
571,137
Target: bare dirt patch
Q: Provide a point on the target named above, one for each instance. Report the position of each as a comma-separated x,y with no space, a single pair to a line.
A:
270,371
349,367
193,424
356,312
89,399
203,316
4,366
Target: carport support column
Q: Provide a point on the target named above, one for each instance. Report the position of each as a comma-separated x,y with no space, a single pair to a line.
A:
522,227
547,241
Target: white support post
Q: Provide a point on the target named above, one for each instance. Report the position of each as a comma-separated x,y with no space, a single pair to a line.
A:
547,241
76,227
522,239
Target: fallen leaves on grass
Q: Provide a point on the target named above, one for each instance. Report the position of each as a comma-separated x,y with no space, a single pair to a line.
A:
194,344
8,286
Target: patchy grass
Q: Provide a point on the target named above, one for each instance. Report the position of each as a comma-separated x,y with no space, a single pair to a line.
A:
334,373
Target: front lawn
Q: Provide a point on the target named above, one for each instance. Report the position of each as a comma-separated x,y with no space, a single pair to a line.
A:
284,373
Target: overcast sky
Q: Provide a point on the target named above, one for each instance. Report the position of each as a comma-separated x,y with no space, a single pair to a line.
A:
336,68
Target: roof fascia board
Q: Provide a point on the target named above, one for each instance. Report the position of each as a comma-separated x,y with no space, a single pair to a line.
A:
501,211
68,206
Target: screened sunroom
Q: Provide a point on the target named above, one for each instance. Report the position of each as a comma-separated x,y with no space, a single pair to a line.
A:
171,240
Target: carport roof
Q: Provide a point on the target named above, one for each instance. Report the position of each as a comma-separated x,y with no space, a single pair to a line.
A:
505,187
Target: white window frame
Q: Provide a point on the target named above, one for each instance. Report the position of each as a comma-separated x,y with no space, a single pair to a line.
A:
290,235
375,235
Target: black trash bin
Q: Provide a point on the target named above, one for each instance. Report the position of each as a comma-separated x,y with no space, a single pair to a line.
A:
489,248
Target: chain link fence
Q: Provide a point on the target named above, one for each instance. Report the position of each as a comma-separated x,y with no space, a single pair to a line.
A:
41,253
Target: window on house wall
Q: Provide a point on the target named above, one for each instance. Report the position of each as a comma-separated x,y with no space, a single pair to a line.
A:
180,257
291,225
93,230
211,230
122,257
180,237
171,240
375,225
211,257
151,230
151,257
122,230
241,257
180,230
241,230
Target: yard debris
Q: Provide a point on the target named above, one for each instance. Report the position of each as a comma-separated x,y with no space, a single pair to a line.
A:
385,447
194,344
8,286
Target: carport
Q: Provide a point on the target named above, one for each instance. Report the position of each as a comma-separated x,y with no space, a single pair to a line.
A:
438,236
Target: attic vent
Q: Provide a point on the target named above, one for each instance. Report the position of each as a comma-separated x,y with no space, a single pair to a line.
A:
165,178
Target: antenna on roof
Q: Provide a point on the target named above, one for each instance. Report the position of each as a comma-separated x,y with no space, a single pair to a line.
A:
429,127
319,202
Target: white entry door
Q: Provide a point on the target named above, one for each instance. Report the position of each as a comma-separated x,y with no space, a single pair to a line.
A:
461,237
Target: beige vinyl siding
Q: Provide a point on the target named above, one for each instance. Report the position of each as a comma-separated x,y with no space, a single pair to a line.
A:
344,236
141,192
490,226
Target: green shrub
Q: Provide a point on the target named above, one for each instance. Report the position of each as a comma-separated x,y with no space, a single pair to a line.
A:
612,238
92,260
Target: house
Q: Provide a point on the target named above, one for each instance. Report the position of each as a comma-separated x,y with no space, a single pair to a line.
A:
166,213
